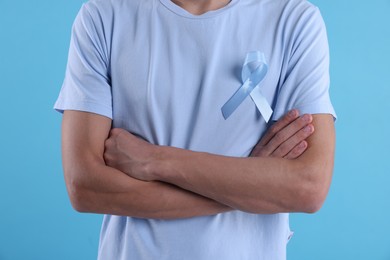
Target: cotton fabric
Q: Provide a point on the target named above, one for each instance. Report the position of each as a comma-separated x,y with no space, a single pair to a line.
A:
164,74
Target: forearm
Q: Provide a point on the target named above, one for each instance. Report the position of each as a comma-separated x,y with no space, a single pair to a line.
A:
257,185
109,191
95,187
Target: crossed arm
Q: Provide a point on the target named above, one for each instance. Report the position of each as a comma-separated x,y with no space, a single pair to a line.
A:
128,176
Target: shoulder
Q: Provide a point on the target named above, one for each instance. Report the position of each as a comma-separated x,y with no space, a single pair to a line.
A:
295,11
286,10
107,6
284,16
281,5
96,16
108,12
98,8
300,20
296,6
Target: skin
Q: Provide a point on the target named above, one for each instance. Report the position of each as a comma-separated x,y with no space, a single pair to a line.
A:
114,172
198,7
257,184
96,185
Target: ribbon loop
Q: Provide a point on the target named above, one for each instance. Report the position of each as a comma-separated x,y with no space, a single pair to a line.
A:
253,72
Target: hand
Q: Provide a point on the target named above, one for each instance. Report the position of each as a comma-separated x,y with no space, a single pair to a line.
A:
129,154
286,138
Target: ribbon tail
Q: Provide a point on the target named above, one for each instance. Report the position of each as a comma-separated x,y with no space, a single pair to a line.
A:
237,98
261,104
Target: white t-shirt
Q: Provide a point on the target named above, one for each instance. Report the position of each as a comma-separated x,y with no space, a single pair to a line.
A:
164,74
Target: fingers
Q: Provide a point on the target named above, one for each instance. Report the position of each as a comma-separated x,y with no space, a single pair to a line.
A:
279,125
297,150
281,139
290,136
295,145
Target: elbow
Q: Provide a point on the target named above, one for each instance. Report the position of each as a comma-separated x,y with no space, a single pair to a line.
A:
77,200
312,202
313,190
77,193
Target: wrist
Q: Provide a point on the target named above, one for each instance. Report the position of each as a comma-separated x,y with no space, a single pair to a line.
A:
158,167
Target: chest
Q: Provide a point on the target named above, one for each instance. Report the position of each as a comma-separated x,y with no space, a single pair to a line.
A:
169,84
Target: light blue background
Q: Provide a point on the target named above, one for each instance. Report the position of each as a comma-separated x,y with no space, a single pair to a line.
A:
36,219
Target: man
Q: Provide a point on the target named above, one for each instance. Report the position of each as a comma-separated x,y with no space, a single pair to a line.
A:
173,176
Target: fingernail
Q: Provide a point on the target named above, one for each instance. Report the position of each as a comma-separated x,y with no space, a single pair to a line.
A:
292,113
302,145
308,129
307,118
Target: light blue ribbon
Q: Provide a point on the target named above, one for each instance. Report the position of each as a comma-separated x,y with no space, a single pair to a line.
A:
253,72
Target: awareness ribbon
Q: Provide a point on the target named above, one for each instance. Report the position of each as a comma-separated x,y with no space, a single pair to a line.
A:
253,72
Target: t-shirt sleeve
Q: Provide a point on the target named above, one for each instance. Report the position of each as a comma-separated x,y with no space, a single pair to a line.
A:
305,78
87,85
